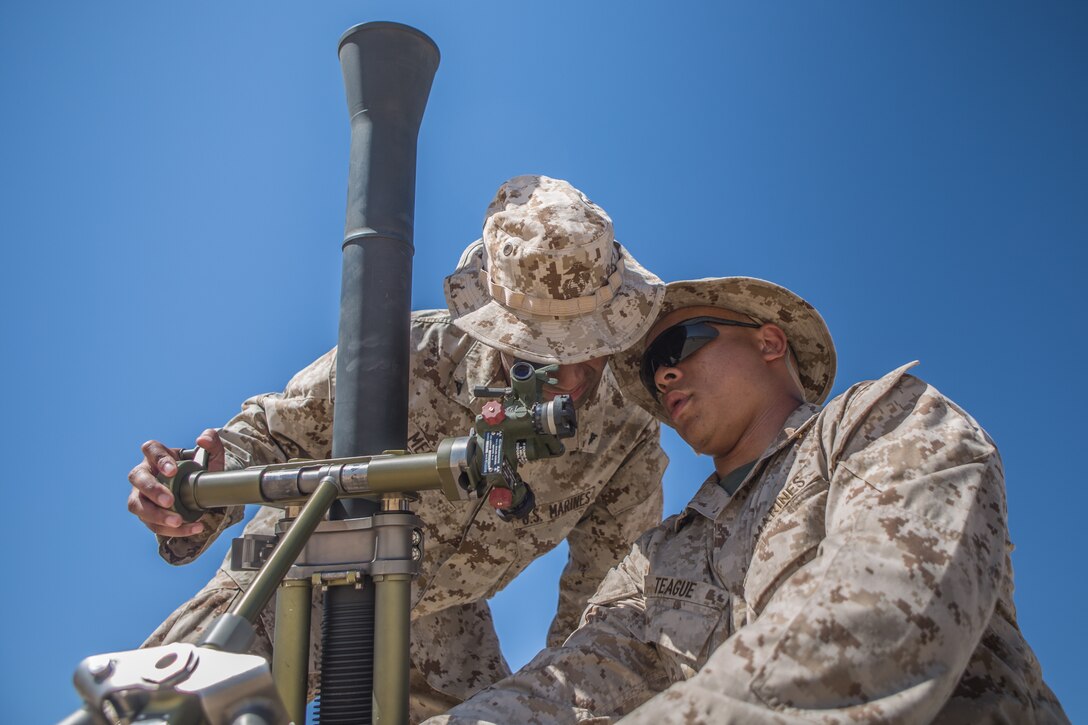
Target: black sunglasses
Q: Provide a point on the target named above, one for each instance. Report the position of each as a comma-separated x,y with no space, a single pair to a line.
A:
680,342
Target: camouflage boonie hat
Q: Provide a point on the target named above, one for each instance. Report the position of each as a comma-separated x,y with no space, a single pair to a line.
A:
548,281
763,301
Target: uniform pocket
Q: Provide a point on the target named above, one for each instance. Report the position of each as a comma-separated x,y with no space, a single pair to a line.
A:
686,621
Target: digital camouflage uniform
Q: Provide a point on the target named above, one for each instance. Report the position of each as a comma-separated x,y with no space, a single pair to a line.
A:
860,573
600,495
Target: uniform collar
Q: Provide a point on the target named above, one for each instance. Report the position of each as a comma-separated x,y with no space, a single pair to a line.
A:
796,423
710,500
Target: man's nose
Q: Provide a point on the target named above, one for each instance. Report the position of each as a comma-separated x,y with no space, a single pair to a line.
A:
665,376
570,376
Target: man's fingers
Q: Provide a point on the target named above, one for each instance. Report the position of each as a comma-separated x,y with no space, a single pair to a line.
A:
146,510
150,500
142,478
161,521
160,458
210,441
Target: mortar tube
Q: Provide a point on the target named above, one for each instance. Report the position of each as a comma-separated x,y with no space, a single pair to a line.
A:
388,69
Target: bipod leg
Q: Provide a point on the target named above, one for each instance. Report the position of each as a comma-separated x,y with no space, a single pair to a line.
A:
397,541
392,640
291,646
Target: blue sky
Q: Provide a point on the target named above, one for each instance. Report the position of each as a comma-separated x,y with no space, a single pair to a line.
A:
173,181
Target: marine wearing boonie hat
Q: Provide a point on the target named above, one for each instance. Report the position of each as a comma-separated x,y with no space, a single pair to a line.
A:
764,302
846,562
548,281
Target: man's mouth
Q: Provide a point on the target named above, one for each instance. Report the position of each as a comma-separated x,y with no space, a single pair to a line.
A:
575,395
675,402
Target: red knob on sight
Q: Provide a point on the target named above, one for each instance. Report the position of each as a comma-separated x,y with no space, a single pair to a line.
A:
500,498
493,412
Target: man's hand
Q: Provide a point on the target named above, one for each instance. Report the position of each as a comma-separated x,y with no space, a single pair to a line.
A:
150,501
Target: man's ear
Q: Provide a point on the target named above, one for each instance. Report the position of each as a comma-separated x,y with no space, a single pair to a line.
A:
773,342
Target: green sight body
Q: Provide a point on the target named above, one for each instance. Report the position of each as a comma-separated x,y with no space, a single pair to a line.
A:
524,429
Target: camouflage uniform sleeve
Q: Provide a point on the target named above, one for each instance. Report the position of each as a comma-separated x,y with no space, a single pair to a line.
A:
628,505
270,428
879,623
601,671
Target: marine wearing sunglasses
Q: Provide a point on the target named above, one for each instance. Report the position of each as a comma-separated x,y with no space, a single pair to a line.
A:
679,342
